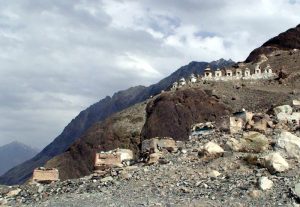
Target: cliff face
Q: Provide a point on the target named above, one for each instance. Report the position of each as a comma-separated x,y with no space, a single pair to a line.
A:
287,40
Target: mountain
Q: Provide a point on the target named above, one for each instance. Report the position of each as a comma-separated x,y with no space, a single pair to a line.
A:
172,113
14,154
98,112
287,40
170,110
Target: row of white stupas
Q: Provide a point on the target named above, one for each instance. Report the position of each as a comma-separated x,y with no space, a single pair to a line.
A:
230,74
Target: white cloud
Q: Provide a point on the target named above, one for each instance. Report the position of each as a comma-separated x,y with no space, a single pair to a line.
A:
58,57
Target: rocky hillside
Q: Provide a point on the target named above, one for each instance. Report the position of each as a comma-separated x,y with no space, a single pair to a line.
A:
256,166
98,112
285,41
171,113
14,154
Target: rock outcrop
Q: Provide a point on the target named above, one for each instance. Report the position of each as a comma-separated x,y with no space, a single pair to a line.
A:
171,114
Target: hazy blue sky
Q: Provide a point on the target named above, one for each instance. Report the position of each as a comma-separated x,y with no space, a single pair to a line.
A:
59,56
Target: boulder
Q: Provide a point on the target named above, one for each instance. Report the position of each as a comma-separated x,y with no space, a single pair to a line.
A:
290,143
212,149
157,144
234,145
214,173
154,158
235,125
287,109
260,125
274,162
125,154
251,142
264,183
291,118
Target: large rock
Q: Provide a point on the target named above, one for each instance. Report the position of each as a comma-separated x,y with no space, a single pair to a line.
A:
235,125
265,183
291,118
287,109
212,149
157,144
154,158
274,162
290,143
260,125
171,114
234,145
251,142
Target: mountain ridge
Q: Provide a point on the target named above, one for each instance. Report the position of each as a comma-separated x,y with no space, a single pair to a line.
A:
290,39
13,154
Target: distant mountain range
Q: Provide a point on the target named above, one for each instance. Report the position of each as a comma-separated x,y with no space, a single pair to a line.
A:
14,154
98,112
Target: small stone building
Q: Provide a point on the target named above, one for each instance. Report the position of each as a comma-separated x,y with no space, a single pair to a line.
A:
193,78
208,73
257,69
239,72
218,73
229,72
247,72
182,82
44,175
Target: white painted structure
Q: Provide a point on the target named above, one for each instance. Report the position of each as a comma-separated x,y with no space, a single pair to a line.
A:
193,78
182,82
